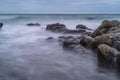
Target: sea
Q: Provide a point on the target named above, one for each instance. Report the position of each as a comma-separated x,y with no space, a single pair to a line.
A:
25,54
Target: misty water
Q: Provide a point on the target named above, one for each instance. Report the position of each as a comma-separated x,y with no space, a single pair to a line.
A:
25,54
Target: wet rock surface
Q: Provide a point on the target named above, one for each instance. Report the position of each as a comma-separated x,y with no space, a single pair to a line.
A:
107,41
107,53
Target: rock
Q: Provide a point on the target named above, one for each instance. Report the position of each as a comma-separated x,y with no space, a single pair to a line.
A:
57,27
86,33
68,45
81,26
87,40
69,42
105,27
1,25
116,45
103,39
51,39
33,24
75,31
107,54
106,39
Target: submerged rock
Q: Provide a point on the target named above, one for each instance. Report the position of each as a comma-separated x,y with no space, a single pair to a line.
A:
33,24
1,25
69,42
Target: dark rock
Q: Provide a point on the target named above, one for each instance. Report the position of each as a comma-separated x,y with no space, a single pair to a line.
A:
1,25
81,26
51,39
116,45
103,39
106,39
69,45
107,54
69,42
57,27
33,24
118,62
86,40
107,27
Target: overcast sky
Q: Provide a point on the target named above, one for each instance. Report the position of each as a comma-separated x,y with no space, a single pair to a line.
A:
60,6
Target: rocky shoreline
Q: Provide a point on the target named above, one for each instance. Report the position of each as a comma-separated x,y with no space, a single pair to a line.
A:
104,41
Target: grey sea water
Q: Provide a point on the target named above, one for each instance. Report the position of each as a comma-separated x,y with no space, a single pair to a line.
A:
25,54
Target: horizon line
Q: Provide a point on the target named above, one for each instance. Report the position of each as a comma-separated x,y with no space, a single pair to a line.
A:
57,14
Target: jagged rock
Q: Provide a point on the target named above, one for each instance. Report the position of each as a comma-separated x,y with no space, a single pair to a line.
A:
33,24
57,27
106,27
107,54
1,25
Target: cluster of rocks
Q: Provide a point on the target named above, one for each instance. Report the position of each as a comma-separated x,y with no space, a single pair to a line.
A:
57,27
106,39
69,42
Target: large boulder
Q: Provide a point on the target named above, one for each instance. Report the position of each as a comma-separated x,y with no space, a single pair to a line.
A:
86,40
107,53
57,27
106,39
106,27
1,25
